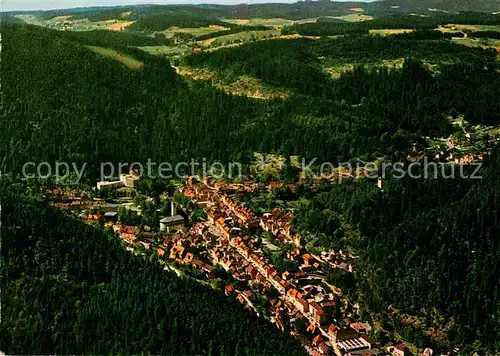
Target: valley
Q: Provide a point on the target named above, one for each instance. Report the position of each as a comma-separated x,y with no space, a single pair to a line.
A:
354,226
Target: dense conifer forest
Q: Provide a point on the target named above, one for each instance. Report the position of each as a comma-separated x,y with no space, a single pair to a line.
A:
426,249
424,244
124,115
71,287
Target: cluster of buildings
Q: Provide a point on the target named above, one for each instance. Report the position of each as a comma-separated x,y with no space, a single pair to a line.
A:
179,251
130,180
278,223
227,237
227,240
231,187
470,158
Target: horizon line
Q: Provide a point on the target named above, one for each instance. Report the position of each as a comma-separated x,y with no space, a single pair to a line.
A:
188,3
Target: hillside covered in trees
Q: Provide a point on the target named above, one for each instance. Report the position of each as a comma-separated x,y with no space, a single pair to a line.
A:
74,288
293,11
423,245
426,250
95,108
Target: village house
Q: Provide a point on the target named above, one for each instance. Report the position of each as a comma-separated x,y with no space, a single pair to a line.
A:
308,259
317,313
171,223
177,252
94,217
188,258
229,289
361,328
399,350
357,345
330,307
279,323
130,180
302,305
128,237
110,216
338,334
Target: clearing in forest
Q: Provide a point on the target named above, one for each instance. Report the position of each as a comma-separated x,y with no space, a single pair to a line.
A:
387,32
195,31
273,22
166,50
119,26
121,57
353,17
244,85
61,18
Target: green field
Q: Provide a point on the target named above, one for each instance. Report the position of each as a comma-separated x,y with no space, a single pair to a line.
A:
166,50
129,61
242,36
357,17
199,31
454,27
478,42
387,32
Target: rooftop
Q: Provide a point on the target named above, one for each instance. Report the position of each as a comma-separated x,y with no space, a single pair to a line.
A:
172,219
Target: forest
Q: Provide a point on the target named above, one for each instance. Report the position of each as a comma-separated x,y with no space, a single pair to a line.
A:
426,248
424,244
159,22
81,105
292,11
326,27
72,288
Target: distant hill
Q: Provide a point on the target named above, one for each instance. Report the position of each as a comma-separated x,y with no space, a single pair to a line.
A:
443,5
296,11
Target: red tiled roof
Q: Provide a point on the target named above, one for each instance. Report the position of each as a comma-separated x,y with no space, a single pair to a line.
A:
314,306
323,347
328,304
317,340
401,347
304,303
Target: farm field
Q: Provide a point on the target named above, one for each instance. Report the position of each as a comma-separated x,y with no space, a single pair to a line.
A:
387,32
456,27
357,17
119,25
166,50
272,22
477,42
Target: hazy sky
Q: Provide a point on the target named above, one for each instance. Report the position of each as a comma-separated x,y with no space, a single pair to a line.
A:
10,5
